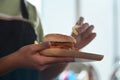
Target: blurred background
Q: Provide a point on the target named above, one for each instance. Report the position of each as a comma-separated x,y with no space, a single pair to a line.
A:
58,16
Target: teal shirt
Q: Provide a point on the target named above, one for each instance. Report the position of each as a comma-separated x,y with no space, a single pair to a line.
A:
12,8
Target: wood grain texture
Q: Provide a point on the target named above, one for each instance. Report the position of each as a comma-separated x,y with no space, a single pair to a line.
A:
55,52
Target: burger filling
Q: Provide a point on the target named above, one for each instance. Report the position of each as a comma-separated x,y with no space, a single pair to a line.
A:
62,45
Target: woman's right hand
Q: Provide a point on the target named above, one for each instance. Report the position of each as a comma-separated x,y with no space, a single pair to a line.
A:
29,56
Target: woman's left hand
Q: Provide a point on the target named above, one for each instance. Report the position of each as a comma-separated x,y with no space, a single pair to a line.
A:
83,34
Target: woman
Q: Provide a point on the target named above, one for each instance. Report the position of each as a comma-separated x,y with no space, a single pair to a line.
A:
23,62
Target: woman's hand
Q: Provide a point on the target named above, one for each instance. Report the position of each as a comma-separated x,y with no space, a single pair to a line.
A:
83,33
30,57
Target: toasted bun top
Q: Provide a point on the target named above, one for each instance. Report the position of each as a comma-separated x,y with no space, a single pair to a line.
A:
59,38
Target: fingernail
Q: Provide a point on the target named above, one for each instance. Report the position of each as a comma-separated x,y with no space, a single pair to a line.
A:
47,44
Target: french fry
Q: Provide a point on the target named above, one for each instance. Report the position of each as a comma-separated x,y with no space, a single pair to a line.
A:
74,29
36,42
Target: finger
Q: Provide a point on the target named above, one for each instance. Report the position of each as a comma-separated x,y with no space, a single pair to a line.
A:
41,67
53,60
39,47
87,32
80,21
44,45
73,35
77,25
86,41
60,60
82,28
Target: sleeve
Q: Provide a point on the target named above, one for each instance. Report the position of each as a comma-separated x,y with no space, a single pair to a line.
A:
34,18
39,30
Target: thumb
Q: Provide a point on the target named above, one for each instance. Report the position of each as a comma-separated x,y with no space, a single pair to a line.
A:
44,45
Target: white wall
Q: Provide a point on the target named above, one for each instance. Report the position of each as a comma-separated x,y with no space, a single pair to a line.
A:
58,16
100,14
119,24
37,4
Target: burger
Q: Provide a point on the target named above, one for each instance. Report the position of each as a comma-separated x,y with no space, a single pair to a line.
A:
61,45
60,41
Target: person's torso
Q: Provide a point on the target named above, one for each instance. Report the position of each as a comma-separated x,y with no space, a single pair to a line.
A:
15,34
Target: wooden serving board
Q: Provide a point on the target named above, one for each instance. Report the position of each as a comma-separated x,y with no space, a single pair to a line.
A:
70,53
